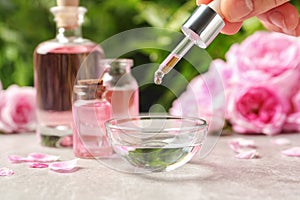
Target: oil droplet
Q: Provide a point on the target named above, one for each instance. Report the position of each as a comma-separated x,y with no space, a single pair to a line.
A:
158,76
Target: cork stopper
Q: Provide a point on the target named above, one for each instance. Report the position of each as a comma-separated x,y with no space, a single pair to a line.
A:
68,14
92,88
67,3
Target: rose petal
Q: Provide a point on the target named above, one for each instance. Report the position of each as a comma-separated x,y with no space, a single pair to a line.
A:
247,154
235,146
244,142
65,166
33,157
40,157
6,172
281,141
38,165
16,159
293,152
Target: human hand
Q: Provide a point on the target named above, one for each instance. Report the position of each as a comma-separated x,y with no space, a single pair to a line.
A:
275,15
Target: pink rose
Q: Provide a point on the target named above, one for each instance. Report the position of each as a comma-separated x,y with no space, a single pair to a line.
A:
269,54
204,96
265,64
190,102
17,109
256,110
268,58
260,77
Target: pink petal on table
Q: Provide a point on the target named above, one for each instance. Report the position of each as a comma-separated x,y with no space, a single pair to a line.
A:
16,159
235,146
247,154
281,141
40,157
38,165
65,166
244,142
294,152
6,172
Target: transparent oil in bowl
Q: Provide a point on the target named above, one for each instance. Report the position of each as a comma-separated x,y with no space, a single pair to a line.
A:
155,158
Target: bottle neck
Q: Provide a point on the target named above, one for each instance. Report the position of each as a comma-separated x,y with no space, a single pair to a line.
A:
68,22
66,34
117,66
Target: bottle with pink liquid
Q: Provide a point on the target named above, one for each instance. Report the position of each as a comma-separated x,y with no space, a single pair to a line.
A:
122,87
90,111
56,63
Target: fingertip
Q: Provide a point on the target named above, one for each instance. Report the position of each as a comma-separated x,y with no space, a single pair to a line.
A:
285,17
271,27
198,2
237,10
231,28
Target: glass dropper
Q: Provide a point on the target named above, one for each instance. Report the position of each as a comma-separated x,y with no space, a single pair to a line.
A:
200,29
173,58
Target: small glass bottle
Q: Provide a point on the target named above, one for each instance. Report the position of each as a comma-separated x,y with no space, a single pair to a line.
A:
122,87
56,63
90,111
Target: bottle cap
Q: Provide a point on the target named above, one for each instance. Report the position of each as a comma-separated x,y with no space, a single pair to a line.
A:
67,2
68,14
203,26
90,89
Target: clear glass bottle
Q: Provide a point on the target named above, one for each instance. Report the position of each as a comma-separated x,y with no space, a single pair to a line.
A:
56,63
122,87
90,111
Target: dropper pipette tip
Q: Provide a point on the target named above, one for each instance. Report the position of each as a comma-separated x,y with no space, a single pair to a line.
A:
158,77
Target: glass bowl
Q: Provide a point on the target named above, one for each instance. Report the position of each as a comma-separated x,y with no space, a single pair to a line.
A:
156,143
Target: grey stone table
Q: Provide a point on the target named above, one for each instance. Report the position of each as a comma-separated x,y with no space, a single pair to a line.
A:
218,176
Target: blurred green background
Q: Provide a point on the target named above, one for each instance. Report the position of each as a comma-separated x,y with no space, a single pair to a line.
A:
26,23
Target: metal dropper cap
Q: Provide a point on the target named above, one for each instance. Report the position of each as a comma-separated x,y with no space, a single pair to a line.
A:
204,24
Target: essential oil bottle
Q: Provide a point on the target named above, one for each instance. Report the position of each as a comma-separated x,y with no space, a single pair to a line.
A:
56,63
122,87
90,111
